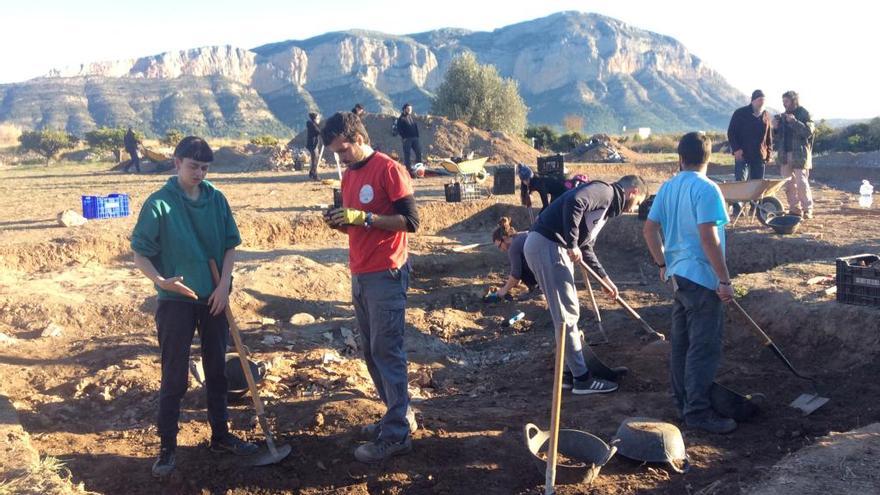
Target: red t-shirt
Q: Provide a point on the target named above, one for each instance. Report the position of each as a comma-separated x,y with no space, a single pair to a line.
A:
373,188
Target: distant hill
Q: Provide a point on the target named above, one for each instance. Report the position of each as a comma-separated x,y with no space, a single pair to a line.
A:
569,63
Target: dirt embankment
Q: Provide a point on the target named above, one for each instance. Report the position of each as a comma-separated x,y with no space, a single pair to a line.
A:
444,138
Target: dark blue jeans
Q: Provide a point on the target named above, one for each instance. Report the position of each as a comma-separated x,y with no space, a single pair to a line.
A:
380,306
411,144
748,170
697,327
176,322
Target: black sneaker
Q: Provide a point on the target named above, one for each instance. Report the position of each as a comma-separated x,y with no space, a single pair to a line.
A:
593,386
567,380
164,464
710,421
231,443
380,450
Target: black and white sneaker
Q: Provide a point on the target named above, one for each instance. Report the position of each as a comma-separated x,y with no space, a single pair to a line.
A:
593,386
567,380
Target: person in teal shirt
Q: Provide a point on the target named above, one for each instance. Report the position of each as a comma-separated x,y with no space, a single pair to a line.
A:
180,228
690,211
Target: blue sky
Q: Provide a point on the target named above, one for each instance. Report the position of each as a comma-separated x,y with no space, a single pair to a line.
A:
825,51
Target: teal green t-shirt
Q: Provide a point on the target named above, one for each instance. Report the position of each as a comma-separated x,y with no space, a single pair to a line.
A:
180,235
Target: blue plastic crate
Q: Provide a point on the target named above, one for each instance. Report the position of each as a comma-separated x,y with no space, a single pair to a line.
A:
112,206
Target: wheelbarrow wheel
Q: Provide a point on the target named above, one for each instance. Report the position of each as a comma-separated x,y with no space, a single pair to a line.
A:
768,208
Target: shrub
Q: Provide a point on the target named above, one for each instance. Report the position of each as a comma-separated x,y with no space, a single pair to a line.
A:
265,140
47,143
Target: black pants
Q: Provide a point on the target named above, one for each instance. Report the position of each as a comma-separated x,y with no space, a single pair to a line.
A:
313,168
176,322
411,144
135,160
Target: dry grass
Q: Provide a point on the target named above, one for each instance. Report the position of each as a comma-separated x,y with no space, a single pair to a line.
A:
9,134
49,476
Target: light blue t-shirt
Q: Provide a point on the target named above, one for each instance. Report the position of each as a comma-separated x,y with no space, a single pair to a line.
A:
681,204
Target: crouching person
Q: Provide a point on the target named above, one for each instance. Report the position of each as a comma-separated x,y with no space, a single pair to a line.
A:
180,227
378,211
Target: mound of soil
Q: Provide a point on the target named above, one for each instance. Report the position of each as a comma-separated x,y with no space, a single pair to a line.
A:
444,138
251,158
602,148
837,159
842,463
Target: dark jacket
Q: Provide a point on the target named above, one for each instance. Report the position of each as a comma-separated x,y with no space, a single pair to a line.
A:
129,141
313,134
407,127
799,136
576,218
549,189
750,134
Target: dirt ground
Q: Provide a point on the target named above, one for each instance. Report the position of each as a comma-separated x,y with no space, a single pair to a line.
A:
88,394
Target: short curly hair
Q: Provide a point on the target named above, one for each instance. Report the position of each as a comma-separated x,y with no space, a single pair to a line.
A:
345,124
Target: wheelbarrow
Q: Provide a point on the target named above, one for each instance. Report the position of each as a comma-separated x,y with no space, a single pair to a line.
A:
471,175
760,193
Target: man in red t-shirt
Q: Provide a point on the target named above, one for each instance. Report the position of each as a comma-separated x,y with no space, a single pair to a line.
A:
378,211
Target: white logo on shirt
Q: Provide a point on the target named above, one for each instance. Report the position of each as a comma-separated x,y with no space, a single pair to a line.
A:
366,194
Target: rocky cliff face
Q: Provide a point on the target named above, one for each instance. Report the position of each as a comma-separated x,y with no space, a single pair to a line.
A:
569,63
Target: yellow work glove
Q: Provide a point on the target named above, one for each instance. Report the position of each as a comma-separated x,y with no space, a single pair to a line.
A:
350,216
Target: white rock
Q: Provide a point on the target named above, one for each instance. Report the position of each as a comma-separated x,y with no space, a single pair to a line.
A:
53,330
267,322
70,218
6,339
302,319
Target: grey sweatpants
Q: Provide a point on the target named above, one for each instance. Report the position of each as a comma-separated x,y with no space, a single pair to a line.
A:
380,306
555,274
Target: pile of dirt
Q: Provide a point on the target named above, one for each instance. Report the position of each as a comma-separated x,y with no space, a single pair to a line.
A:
252,158
837,159
444,138
602,148
838,463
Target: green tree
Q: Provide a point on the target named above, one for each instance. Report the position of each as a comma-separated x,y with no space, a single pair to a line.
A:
265,140
545,137
478,96
110,139
48,143
569,141
172,137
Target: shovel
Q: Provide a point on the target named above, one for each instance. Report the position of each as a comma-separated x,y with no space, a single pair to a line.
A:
806,403
275,454
647,328
552,454
586,278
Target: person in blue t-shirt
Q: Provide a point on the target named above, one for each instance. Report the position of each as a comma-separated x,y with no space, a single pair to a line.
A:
690,212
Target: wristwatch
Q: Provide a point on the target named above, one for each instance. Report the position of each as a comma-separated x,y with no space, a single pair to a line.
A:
368,221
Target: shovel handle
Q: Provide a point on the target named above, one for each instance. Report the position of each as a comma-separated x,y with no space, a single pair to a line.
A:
552,454
755,327
619,300
245,366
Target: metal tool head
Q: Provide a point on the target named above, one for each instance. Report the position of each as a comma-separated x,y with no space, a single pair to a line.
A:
269,456
807,403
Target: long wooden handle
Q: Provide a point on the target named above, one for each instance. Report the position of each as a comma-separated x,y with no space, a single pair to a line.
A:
622,303
586,278
550,473
755,327
246,367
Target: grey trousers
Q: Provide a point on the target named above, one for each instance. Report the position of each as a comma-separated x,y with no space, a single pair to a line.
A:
555,275
380,306
697,328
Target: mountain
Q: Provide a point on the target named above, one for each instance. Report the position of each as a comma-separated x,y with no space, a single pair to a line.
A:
570,63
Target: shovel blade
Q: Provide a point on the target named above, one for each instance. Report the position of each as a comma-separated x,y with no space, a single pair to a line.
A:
268,457
807,403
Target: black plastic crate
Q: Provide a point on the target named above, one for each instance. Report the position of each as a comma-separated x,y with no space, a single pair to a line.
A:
551,165
505,180
858,280
453,192
645,207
